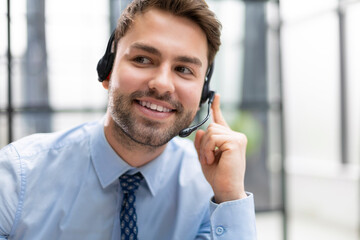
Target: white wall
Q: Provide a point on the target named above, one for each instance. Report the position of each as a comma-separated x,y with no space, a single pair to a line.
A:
321,190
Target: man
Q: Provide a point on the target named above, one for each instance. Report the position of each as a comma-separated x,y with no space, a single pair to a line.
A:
75,184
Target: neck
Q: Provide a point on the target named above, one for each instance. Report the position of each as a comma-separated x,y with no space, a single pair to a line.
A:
135,154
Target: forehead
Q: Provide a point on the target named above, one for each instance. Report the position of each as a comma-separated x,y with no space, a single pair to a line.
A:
166,32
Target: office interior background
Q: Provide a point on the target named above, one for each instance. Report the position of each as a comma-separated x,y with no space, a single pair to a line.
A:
288,73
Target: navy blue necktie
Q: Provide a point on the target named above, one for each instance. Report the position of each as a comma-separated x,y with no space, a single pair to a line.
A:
129,184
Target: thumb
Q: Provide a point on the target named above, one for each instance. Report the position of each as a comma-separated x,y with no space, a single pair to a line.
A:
217,114
198,137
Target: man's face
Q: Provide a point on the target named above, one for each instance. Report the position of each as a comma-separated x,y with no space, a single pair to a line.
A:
157,78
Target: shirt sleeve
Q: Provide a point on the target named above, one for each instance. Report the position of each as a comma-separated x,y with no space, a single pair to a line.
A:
233,219
11,188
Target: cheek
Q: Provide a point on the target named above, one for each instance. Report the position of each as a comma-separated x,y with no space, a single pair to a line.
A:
127,79
190,96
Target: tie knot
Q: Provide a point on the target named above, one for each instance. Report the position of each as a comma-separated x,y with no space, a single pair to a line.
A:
130,183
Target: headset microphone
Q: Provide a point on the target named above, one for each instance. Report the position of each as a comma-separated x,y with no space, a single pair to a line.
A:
187,131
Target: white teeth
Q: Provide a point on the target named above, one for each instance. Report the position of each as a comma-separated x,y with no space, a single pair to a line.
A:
159,108
154,106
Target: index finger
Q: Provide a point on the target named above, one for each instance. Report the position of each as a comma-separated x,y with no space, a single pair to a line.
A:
217,114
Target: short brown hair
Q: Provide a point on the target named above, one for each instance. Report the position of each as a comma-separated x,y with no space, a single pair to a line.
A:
195,10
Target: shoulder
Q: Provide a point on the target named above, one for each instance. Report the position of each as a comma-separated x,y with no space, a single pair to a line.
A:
34,153
25,163
11,188
35,144
28,150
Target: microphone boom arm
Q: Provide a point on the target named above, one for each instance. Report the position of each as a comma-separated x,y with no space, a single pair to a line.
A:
187,131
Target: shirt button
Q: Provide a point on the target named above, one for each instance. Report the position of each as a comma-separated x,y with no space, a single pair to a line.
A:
219,231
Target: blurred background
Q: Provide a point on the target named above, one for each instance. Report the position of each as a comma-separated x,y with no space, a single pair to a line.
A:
288,72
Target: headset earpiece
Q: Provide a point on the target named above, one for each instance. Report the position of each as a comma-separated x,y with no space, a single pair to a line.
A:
105,64
206,93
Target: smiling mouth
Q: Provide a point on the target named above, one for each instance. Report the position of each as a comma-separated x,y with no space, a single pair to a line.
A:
155,107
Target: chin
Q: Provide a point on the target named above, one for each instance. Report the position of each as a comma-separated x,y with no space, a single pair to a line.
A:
153,136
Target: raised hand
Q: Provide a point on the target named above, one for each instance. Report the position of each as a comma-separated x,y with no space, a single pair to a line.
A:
222,153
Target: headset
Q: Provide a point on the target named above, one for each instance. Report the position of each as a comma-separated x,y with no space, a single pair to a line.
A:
105,65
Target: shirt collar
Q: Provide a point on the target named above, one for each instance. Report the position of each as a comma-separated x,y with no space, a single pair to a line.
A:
109,166
154,173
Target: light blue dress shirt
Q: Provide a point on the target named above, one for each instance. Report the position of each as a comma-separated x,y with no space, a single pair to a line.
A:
65,186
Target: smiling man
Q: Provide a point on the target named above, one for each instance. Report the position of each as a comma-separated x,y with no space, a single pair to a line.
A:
128,176
155,85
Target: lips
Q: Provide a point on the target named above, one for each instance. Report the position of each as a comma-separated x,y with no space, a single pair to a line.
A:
155,107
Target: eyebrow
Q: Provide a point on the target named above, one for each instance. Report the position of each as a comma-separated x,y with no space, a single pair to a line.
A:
155,51
187,59
146,48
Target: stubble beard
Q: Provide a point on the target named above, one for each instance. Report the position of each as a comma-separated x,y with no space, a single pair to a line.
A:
135,131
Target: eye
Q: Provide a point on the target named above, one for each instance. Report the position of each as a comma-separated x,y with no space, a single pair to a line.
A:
142,60
184,70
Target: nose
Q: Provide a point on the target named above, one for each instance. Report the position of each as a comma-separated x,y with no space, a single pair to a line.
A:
163,81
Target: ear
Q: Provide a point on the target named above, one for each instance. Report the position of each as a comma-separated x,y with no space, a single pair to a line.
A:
105,83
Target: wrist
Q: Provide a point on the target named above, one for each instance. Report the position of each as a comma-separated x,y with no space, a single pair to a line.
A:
220,198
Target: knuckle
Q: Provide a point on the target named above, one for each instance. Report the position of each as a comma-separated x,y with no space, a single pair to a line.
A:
211,127
212,138
242,139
